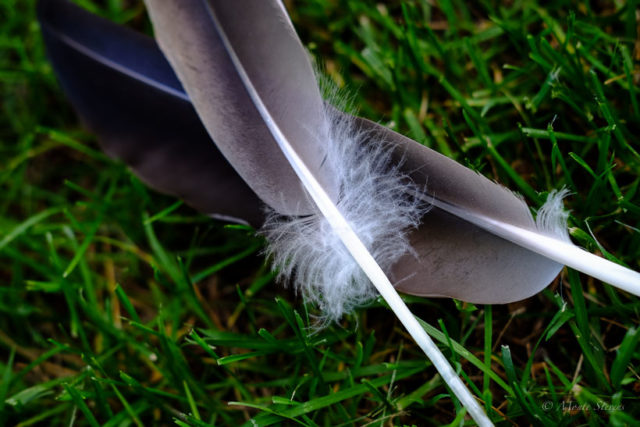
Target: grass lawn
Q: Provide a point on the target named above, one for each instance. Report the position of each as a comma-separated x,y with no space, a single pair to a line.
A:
120,306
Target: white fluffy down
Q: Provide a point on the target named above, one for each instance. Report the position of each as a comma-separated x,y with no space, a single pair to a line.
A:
552,218
375,200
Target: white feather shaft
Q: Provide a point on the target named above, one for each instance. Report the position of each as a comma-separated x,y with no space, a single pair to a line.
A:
384,286
560,251
357,249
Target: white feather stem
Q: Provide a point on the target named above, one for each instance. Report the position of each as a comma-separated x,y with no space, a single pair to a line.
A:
558,250
373,271
357,249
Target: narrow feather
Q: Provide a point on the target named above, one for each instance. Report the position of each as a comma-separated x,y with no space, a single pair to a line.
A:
375,198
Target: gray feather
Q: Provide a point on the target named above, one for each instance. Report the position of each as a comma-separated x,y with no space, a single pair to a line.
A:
451,257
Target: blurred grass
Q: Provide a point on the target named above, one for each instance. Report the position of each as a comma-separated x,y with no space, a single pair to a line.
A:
119,306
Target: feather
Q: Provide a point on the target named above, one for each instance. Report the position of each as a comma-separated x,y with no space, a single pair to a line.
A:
232,119
126,92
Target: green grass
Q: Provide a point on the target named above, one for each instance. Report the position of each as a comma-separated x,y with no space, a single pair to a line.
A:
120,307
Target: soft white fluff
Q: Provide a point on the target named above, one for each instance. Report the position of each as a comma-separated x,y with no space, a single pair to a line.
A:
552,218
374,198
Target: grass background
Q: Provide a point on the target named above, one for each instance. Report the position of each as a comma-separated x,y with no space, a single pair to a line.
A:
120,306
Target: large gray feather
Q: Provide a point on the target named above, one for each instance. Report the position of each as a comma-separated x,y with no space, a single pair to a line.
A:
452,257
